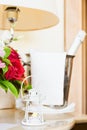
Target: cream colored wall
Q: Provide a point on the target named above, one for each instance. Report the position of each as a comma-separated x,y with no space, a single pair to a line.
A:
73,26
51,39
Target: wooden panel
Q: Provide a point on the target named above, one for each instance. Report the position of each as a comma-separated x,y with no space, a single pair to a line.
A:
73,24
84,55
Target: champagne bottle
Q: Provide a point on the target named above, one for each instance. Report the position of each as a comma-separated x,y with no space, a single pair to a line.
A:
77,42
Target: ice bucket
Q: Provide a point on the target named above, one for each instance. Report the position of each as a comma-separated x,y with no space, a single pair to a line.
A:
67,79
45,76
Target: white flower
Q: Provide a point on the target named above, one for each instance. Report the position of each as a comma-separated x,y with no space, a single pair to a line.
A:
6,35
2,52
2,44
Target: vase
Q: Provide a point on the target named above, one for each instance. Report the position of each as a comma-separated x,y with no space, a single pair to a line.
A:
7,100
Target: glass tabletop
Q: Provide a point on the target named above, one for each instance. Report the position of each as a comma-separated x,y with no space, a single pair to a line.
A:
10,119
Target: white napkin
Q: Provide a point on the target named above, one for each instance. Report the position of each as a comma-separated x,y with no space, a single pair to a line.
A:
49,110
68,109
48,75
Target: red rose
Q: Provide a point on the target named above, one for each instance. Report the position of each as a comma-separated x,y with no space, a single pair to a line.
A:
13,55
15,70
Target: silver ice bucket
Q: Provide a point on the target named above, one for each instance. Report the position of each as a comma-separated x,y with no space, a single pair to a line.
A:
67,79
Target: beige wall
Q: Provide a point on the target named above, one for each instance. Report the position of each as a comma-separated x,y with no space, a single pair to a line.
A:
51,39
73,23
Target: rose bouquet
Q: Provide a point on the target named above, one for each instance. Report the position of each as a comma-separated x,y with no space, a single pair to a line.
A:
11,70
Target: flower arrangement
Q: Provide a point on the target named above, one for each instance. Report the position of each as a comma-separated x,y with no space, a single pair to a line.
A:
11,70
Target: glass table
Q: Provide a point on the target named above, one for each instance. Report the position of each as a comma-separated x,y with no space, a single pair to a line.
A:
10,119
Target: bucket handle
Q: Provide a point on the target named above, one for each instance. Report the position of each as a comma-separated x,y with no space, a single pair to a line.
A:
23,83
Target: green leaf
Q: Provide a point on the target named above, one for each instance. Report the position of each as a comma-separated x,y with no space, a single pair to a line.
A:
11,87
1,77
29,86
5,69
17,84
3,86
7,61
7,51
15,39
